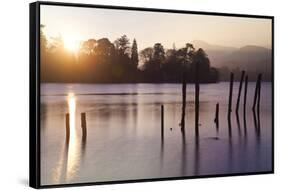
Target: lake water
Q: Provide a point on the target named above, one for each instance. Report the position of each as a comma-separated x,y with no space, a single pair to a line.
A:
124,132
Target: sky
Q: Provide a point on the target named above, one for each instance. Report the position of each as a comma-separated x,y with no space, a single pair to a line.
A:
149,28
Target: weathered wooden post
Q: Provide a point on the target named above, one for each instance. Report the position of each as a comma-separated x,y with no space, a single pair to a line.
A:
217,117
239,92
230,105
183,101
256,91
83,126
259,95
162,122
67,127
197,91
245,103
230,95
245,95
258,103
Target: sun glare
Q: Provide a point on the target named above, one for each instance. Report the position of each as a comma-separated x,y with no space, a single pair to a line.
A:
71,43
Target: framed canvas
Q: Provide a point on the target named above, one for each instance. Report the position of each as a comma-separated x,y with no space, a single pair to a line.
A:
126,94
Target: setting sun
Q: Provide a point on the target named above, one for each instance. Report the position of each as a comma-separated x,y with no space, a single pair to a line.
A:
71,43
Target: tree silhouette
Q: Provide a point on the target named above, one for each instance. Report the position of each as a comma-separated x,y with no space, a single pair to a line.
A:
122,45
89,46
134,54
153,57
146,55
205,71
158,54
104,48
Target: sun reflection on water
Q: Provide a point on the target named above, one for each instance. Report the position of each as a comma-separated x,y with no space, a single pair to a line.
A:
73,149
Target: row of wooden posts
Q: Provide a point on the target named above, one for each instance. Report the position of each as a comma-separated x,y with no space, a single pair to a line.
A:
83,126
256,103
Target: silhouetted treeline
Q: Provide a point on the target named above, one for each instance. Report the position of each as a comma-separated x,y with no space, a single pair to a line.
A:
103,61
167,66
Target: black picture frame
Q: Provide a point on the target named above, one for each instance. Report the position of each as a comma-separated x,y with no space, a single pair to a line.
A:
34,93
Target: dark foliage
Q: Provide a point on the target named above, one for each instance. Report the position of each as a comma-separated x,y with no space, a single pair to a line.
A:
101,61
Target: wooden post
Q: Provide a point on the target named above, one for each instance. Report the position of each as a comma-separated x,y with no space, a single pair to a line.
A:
245,95
197,91
216,113
183,101
83,126
245,104
67,127
230,95
256,91
239,92
259,95
230,105
162,122
217,117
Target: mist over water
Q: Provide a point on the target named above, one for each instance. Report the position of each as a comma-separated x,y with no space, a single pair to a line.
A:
124,132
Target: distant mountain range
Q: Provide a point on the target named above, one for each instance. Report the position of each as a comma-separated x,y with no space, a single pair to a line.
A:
252,59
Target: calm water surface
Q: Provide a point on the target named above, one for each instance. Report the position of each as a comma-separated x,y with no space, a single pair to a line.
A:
124,138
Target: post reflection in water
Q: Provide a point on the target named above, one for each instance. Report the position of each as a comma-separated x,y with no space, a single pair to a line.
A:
230,146
257,124
161,156
230,155
238,124
256,116
229,128
197,157
183,158
245,127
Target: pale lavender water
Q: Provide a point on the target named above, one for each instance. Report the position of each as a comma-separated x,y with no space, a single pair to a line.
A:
124,139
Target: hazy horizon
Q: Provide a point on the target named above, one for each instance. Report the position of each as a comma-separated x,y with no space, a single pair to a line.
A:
147,28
